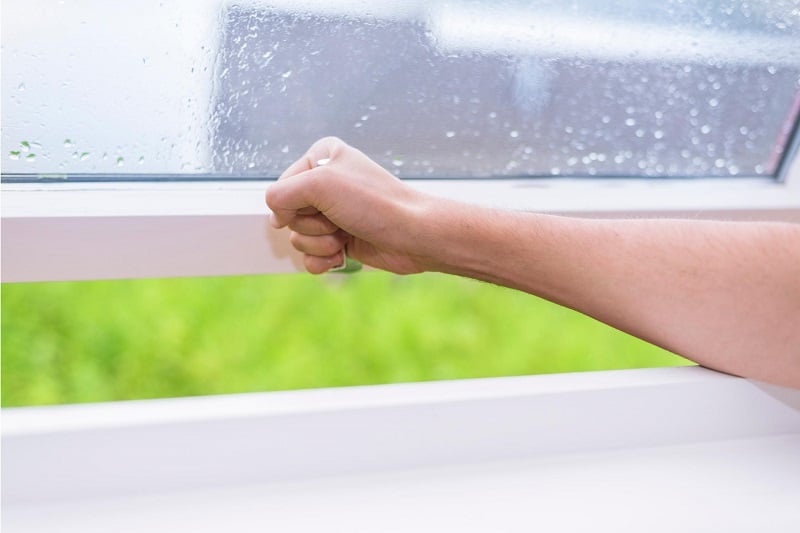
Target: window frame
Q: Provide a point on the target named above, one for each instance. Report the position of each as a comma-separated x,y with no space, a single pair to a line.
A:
116,229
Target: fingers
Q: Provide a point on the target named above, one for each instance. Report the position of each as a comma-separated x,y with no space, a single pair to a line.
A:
312,225
322,252
320,265
319,245
286,201
289,198
325,148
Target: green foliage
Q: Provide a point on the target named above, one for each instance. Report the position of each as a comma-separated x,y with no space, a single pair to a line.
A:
116,340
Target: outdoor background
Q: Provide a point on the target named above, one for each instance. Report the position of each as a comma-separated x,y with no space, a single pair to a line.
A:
119,340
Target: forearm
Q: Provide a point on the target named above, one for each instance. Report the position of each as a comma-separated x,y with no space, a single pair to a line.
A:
725,295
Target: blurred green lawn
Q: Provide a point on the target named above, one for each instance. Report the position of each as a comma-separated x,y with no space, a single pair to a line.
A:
118,340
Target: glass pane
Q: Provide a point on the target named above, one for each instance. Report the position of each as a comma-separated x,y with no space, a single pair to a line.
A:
429,89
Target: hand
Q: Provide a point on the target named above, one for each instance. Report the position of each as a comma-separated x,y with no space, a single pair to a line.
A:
350,204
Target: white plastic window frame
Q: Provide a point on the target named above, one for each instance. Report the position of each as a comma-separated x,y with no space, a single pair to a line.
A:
113,230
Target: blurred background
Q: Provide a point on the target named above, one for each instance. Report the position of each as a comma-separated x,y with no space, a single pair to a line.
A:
119,340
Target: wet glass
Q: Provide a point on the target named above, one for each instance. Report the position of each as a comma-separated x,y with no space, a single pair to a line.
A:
444,89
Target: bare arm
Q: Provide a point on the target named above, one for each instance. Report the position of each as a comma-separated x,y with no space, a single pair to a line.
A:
726,295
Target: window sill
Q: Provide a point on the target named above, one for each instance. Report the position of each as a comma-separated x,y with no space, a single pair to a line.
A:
514,452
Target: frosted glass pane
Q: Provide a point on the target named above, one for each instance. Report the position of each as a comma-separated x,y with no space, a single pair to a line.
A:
429,89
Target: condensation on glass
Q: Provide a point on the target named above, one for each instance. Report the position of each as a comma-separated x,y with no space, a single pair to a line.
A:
428,88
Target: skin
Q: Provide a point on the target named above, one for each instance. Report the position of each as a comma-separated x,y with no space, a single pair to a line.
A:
723,294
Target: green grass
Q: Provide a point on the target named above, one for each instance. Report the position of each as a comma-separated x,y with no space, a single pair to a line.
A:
117,340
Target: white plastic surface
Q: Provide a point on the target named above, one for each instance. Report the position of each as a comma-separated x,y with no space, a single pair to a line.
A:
680,449
59,231
732,486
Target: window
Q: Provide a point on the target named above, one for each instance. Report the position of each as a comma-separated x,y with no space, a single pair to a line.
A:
438,89
475,94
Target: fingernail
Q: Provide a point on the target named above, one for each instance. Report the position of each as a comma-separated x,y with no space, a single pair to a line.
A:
339,263
273,221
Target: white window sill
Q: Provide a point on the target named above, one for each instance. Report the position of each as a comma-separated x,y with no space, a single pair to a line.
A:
70,231
676,449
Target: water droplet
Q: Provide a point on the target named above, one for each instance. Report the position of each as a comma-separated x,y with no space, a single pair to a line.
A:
714,102
397,162
120,161
492,115
640,133
606,119
21,87
68,143
555,171
719,163
84,156
514,133
743,130
630,109
450,134
14,154
658,134
251,164
759,169
357,124
733,169
705,129
286,74
372,107
30,158
771,69
285,149
630,122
